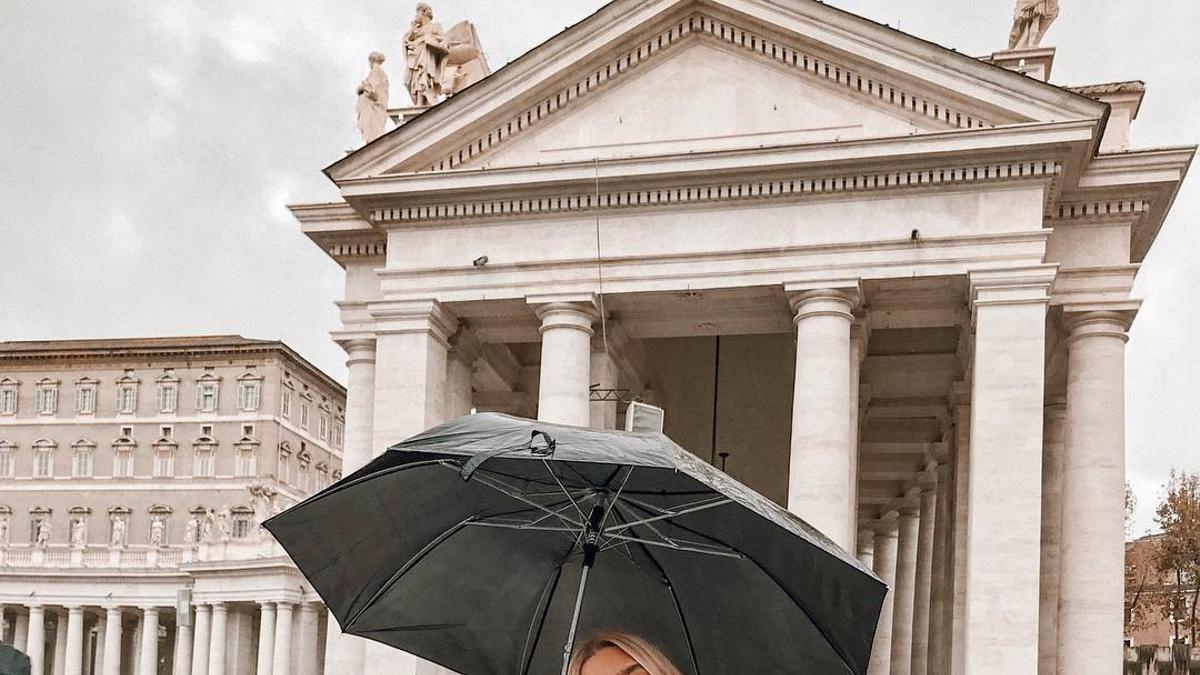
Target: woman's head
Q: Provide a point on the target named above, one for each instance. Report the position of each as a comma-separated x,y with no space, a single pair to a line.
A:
619,654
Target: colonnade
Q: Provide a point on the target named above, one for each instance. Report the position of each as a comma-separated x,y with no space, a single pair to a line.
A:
83,640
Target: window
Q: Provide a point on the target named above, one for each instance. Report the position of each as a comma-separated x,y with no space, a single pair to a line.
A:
247,430
248,395
43,459
285,404
85,396
323,426
123,461
164,461
127,432
166,431
304,415
337,434
37,516
168,397
8,396
302,483
45,400
322,476
82,458
126,398
241,522
206,430
206,392
247,464
285,465
205,462
7,451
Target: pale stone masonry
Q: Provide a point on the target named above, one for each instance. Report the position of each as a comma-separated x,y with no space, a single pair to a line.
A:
152,462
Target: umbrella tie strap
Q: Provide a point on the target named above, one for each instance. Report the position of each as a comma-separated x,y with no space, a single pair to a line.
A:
545,448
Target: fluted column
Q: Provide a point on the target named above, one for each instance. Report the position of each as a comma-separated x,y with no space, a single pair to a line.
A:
940,575
1090,606
886,542
1005,480
182,659
866,547
906,578
266,638
282,660
822,460
74,656
37,640
305,662
112,640
148,660
924,575
201,645
565,376
1052,467
217,640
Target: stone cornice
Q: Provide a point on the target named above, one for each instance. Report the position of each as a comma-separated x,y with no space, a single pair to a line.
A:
1024,285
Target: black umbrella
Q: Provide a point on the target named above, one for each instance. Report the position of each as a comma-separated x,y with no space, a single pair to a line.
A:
488,543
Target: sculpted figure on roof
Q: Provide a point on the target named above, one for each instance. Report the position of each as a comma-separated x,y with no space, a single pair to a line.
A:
1030,23
373,100
440,63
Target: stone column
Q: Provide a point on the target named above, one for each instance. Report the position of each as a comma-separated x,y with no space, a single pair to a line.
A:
1091,584
886,541
100,640
36,647
74,656
605,374
1052,466
1005,480
939,577
309,626
866,547
201,646
266,638
90,648
960,401
906,578
59,665
21,632
281,662
565,376
822,461
858,352
924,575
345,654
460,370
217,640
182,660
112,640
148,660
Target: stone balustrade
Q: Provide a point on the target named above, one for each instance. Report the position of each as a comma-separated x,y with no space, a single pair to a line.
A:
125,557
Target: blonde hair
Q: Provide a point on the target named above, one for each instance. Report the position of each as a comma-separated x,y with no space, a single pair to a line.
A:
645,654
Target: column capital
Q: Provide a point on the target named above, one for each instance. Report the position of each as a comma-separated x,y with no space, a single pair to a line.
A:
413,316
866,536
464,345
1087,324
1018,286
840,297
358,348
267,604
571,315
888,525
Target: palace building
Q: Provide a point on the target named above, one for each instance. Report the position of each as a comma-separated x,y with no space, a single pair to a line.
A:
882,282
133,478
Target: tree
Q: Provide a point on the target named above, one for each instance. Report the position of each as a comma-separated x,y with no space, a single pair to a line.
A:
1177,555
1139,569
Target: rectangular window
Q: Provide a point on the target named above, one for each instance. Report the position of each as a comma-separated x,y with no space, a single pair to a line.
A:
248,430
82,466
206,430
46,400
246,464
337,435
127,398
85,400
127,432
6,464
322,479
206,397
241,527
168,398
8,400
166,431
285,467
43,463
164,463
248,396
285,404
304,415
204,464
323,426
123,463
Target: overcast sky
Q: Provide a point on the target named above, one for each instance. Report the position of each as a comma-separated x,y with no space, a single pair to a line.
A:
147,150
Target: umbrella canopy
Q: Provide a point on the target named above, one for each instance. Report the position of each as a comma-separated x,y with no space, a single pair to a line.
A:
465,546
13,661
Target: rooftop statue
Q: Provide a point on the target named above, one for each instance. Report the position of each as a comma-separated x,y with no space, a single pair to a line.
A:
1030,23
373,100
440,63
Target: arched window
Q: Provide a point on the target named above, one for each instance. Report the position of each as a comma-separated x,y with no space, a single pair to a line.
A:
43,458
83,453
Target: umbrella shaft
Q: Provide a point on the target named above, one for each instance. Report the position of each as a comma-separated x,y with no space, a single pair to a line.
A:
583,579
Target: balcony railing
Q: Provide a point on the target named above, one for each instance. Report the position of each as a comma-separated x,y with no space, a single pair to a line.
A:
27,557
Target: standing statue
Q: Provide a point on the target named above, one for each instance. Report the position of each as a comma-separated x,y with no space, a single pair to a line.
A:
3,531
117,537
157,530
43,533
373,100
1030,23
191,532
206,526
223,523
79,531
425,51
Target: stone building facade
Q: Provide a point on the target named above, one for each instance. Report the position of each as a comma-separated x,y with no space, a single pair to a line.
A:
884,283
133,477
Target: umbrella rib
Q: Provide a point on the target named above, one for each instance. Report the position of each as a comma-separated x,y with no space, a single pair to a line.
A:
673,514
542,610
437,541
613,502
562,487
510,491
675,545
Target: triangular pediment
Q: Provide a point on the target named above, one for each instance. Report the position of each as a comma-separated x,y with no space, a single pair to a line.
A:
683,76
